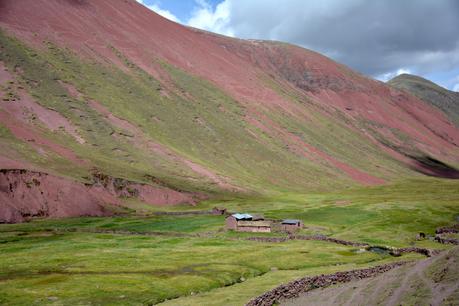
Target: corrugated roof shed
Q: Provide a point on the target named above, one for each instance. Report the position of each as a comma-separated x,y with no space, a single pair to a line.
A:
242,216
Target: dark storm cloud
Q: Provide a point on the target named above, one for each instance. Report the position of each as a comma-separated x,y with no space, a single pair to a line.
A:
375,37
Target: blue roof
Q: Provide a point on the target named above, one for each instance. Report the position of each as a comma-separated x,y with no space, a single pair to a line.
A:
242,216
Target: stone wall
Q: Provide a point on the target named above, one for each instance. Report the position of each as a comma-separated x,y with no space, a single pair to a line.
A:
295,288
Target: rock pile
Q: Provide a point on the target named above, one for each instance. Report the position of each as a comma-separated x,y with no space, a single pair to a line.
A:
268,239
423,251
447,230
443,240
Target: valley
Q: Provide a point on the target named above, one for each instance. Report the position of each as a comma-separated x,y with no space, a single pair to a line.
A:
191,260
121,131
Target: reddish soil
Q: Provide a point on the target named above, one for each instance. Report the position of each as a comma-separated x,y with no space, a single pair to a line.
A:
8,163
235,66
300,147
26,133
155,195
26,109
25,194
5,75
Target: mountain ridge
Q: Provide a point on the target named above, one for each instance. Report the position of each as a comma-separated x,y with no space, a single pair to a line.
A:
442,98
115,88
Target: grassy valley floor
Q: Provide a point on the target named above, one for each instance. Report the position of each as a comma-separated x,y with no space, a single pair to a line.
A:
148,258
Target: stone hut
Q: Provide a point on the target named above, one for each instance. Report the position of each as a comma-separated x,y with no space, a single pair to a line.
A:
247,223
218,211
291,225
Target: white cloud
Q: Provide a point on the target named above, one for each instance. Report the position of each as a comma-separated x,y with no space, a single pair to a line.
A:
374,37
390,75
451,84
455,87
156,8
206,18
378,38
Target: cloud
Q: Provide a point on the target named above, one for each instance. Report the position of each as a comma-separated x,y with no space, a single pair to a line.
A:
377,38
390,75
160,11
455,87
215,20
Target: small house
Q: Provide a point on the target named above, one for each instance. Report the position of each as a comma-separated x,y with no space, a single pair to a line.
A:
291,225
247,223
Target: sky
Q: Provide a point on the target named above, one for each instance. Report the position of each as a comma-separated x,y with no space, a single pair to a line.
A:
379,38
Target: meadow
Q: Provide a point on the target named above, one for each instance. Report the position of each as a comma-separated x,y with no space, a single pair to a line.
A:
191,260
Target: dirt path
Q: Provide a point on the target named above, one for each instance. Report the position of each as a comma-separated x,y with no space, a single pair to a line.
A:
405,286
295,288
432,281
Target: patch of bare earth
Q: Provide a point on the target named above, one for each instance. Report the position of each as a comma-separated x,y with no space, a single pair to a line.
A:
433,281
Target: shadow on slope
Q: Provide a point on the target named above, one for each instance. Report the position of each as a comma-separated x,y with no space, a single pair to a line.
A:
433,167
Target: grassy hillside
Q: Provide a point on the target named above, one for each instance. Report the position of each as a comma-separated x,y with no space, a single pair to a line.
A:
443,99
195,120
196,113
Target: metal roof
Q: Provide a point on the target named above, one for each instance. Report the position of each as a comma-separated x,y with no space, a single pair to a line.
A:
242,216
291,221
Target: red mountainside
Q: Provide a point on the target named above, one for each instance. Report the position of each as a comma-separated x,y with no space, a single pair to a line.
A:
105,103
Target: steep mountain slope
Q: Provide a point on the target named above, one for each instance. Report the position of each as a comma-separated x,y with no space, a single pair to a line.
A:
109,87
443,99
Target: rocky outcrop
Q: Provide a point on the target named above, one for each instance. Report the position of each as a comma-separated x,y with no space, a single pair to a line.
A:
26,194
294,288
150,194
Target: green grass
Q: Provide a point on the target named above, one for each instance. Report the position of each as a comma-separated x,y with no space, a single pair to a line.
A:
77,267
184,224
65,261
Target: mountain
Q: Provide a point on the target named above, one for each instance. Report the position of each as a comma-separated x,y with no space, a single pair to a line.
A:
106,103
442,98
